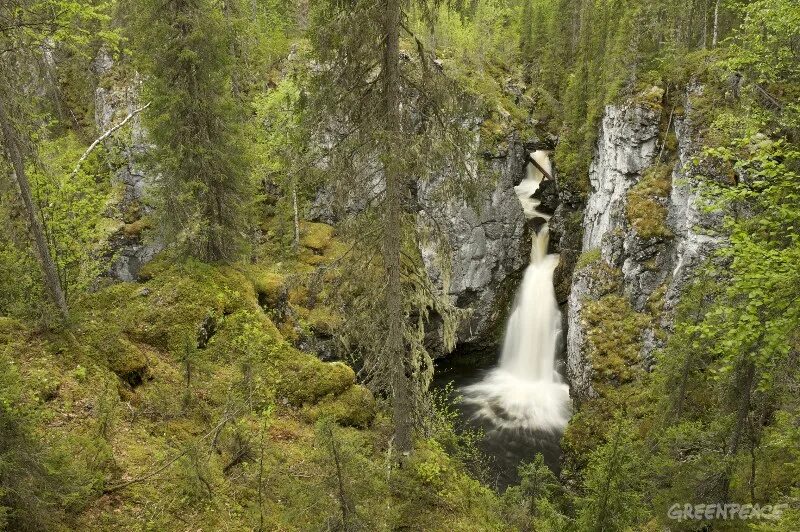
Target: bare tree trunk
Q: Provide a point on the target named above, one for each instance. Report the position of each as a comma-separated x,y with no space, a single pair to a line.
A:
705,25
715,31
50,274
401,371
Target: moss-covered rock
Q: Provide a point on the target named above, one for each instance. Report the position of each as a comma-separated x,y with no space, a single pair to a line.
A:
316,236
614,339
214,421
305,379
355,407
646,206
136,228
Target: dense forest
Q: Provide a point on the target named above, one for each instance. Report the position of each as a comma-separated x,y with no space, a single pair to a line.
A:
249,248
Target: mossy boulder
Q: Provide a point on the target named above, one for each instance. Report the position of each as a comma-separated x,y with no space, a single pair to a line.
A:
128,361
304,379
170,310
323,320
355,407
270,286
316,236
136,228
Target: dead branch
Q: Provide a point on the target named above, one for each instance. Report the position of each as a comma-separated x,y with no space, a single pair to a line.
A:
104,136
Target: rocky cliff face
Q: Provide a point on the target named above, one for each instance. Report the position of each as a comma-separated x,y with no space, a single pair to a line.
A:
117,96
644,233
486,242
489,244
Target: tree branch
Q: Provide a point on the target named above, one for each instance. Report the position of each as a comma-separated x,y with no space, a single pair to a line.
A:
104,136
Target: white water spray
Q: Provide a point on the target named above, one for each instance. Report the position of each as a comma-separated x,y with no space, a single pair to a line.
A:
525,391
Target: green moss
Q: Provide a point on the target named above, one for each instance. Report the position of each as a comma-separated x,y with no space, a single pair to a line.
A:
650,97
136,228
614,337
241,399
168,311
268,284
604,278
646,206
324,320
305,379
588,257
354,407
10,329
316,236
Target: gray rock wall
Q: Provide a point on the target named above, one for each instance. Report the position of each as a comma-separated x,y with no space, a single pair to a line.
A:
489,245
116,96
650,268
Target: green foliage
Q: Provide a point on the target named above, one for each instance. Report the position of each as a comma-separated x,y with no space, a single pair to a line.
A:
436,483
445,426
42,484
615,481
282,159
534,503
194,123
74,209
764,50
757,313
21,293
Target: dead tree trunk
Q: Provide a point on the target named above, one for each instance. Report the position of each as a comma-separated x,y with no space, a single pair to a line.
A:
715,31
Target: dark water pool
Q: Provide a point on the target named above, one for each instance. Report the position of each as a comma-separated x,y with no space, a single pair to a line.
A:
505,449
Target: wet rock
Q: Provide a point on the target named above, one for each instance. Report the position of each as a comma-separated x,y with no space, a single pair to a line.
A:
490,246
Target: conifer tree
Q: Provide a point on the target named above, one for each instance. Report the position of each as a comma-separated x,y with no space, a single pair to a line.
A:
392,122
194,122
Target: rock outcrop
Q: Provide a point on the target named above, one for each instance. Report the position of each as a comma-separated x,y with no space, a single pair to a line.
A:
643,221
625,147
117,96
489,245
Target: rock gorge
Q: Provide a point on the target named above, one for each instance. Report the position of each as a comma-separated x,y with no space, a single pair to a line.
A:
636,238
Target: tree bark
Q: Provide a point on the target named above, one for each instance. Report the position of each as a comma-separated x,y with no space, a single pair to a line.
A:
715,31
397,357
296,243
49,272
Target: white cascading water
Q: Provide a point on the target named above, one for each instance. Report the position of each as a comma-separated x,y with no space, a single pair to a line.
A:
526,392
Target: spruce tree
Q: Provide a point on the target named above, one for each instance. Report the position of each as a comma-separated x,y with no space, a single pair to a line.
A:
194,123
389,120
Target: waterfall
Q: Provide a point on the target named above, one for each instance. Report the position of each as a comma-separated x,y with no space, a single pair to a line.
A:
526,391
